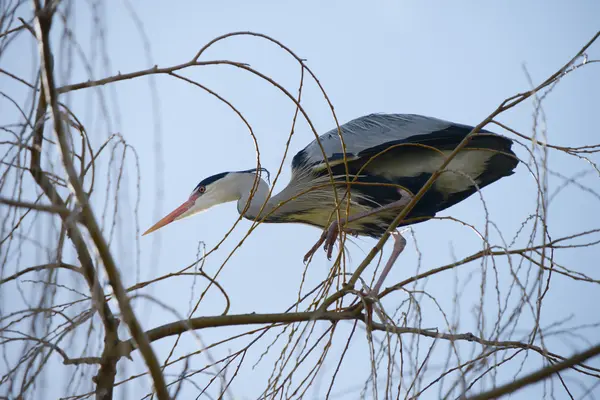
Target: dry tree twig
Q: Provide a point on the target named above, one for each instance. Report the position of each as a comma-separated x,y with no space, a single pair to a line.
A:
539,375
397,365
43,22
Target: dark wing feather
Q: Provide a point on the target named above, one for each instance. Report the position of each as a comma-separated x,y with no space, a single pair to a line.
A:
390,150
369,132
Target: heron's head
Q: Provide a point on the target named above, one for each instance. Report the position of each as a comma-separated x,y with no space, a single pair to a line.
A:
211,191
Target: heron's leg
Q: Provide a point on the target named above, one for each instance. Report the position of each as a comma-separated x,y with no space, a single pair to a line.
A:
328,236
399,244
372,302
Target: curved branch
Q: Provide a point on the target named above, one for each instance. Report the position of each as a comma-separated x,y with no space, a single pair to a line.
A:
182,326
538,375
138,74
179,327
53,209
40,268
42,25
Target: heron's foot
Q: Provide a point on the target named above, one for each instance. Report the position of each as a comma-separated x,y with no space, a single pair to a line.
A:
328,237
331,235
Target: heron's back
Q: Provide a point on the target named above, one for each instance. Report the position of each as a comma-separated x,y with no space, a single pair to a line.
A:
406,161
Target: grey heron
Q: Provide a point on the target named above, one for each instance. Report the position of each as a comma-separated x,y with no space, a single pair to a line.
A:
387,159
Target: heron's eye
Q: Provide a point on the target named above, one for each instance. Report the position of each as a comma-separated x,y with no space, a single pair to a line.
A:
202,189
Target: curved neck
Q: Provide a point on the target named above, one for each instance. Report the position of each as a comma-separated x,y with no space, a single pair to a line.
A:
255,192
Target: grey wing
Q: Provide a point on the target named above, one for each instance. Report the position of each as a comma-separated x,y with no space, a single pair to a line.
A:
364,133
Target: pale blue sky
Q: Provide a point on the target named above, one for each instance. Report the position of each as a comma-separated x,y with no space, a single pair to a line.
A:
455,60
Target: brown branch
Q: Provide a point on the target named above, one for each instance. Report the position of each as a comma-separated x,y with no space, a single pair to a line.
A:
138,74
582,149
107,372
186,325
53,209
23,81
469,337
83,360
42,24
539,375
66,359
40,268
13,30
201,273
182,326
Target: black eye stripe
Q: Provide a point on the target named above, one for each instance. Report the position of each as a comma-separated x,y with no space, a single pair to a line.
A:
207,181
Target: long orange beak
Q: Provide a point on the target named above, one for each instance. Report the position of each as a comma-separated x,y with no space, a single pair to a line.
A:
174,215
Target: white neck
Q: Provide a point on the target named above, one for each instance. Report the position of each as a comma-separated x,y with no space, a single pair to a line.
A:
256,190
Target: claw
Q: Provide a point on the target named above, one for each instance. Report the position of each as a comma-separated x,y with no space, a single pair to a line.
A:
328,237
315,247
331,236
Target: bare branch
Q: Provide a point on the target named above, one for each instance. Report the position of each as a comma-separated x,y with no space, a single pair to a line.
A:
539,375
42,25
62,211
40,268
